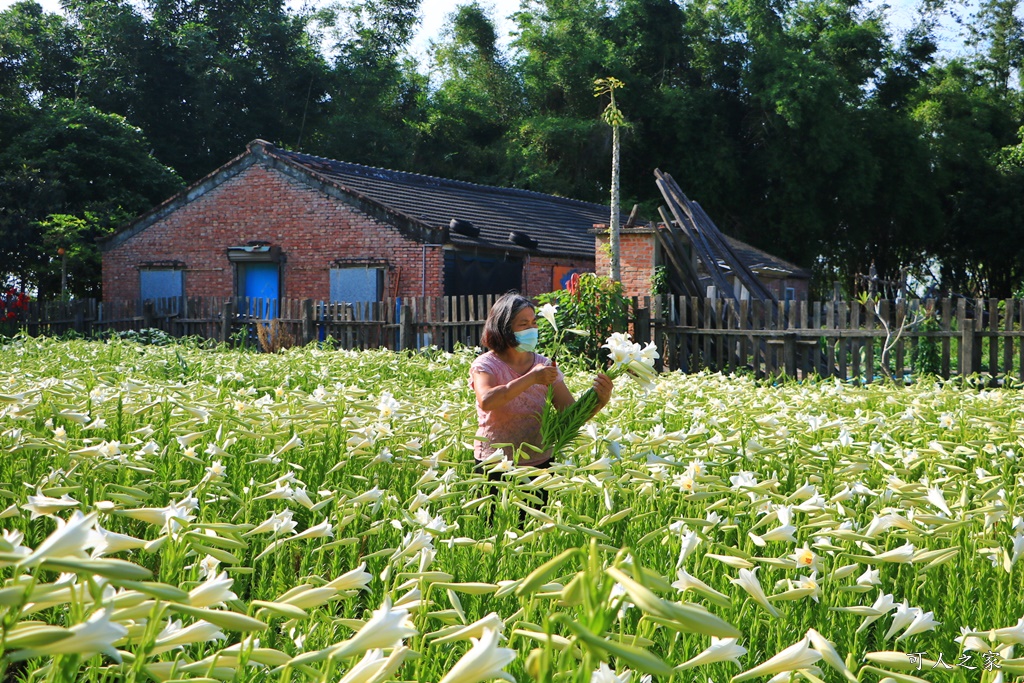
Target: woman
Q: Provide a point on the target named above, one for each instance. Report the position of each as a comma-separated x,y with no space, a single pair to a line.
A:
511,383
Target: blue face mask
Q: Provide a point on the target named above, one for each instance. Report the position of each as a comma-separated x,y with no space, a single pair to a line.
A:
527,339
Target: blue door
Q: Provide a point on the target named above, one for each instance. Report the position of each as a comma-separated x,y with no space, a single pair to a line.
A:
261,282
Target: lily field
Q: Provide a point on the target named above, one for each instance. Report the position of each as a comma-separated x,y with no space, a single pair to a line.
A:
174,513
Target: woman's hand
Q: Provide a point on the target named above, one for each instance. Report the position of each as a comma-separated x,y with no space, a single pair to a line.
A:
543,374
603,389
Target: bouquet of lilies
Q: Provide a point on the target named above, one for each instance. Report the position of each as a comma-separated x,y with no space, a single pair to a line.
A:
559,428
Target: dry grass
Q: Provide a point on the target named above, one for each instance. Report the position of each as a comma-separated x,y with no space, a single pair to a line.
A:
274,336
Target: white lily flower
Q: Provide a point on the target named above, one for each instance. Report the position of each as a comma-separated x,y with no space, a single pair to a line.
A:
356,579
95,635
805,558
213,592
923,621
104,542
485,661
374,667
748,582
1011,635
175,636
883,605
322,530
70,539
387,628
829,654
604,674
902,555
904,616
475,630
40,505
547,311
936,498
721,650
278,523
971,643
870,577
793,658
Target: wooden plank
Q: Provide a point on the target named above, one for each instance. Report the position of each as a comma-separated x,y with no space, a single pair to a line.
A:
765,320
693,351
722,323
961,323
993,340
901,317
745,342
945,324
855,345
869,345
1020,345
1007,369
697,239
843,342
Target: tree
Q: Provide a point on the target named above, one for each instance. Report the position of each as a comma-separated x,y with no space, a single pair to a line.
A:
997,32
374,95
560,144
73,174
475,106
37,56
203,77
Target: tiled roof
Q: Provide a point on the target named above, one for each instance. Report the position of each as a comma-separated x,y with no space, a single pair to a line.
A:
765,264
560,226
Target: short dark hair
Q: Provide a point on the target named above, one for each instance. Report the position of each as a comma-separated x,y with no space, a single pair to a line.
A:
498,335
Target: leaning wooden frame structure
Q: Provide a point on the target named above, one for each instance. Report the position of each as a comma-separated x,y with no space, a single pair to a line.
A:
694,228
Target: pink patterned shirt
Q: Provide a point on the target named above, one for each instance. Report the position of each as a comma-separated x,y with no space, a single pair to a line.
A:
518,421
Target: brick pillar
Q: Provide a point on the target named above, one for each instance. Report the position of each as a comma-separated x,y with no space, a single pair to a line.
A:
638,255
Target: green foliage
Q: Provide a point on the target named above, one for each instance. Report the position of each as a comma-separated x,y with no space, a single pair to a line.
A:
71,174
597,306
659,281
926,359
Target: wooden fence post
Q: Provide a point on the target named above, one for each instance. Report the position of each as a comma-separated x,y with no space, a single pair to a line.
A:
308,330
642,325
148,313
227,316
80,317
789,352
967,351
406,328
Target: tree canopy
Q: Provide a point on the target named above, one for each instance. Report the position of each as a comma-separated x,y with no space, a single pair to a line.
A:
810,128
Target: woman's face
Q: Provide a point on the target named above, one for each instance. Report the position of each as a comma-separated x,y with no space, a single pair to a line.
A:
524,320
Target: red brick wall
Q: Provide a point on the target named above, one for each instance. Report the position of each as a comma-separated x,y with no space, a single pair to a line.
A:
538,272
312,229
801,288
637,259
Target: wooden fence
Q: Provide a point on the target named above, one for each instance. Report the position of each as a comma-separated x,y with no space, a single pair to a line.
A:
800,338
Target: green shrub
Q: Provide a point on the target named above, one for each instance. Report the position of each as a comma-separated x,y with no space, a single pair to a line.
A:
591,303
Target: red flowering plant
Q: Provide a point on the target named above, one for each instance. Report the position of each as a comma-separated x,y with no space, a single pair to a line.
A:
13,307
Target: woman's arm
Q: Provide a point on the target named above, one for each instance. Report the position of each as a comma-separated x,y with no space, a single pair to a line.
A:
491,395
602,387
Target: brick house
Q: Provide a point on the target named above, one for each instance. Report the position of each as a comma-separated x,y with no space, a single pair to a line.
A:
272,223
277,224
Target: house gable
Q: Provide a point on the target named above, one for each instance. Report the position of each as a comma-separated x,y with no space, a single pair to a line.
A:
308,232
260,151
